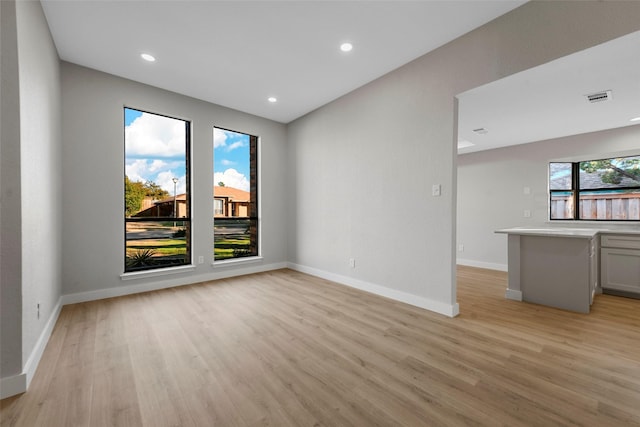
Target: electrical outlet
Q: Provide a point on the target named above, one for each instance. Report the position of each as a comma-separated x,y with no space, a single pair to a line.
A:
436,190
200,259
460,247
352,263
527,213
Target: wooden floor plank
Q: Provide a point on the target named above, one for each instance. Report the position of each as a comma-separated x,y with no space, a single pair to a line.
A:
286,349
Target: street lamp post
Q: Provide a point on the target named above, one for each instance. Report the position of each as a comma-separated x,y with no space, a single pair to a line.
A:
175,183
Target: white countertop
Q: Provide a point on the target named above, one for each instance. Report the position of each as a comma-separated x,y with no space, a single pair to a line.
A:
585,233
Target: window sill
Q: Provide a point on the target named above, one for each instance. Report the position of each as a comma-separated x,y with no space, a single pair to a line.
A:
158,272
236,261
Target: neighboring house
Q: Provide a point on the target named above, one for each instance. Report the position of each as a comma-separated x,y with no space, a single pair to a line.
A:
588,180
227,202
230,202
164,207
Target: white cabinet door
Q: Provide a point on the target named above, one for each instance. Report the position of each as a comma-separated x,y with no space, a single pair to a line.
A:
620,269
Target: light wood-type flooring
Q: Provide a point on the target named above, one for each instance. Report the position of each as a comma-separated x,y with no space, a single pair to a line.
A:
287,349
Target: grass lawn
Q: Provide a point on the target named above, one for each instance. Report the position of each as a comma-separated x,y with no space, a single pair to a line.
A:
161,247
223,248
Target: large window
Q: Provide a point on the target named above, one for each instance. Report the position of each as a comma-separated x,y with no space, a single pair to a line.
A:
600,190
235,194
156,191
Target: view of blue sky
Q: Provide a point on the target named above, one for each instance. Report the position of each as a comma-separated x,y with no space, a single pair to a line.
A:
231,159
155,151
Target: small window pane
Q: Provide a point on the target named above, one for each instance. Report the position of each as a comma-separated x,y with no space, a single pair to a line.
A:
614,205
156,244
560,176
561,205
621,172
218,207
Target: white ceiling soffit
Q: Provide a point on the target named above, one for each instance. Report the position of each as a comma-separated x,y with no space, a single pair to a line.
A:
240,53
551,100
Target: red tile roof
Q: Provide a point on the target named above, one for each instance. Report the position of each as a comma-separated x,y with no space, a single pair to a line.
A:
231,193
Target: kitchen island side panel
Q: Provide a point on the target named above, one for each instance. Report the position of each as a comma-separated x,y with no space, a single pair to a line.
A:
554,271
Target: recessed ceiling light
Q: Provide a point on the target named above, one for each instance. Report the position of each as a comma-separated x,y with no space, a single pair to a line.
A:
346,47
635,119
147,57
272,99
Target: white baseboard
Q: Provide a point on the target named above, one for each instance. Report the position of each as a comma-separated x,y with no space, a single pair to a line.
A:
20,383
513,295
10,386
168,283
482,264
35,356
426,303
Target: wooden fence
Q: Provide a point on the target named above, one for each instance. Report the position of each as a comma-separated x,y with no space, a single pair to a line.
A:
600,206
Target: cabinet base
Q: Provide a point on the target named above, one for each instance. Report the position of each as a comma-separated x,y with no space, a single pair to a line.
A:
617,293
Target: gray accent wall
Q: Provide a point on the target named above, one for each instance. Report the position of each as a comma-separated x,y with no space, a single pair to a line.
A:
491,188
363,166
93,178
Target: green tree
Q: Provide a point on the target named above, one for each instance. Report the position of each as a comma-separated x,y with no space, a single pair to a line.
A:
154,191
134,193
221,184
612,171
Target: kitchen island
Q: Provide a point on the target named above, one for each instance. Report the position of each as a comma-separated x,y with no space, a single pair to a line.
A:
558,267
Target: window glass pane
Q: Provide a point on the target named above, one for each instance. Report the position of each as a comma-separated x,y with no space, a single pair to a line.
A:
232,237
156,244
614,205
561,205
621,172
156,190
218,207
560,176
235,194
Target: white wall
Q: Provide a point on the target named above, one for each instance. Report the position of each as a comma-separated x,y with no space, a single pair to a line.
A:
40,144
93,173
31,206
10,208
491,188
363,166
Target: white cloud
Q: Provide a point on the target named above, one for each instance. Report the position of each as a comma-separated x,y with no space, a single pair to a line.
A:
157,165
137,170
235,145
155,170
226,162
232,178
157,136
219,138
165,180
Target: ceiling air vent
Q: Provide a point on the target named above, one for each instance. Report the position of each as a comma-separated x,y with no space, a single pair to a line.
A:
481,131
605,95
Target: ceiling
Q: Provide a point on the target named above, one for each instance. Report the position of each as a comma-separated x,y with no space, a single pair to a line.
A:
549,101
240,53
